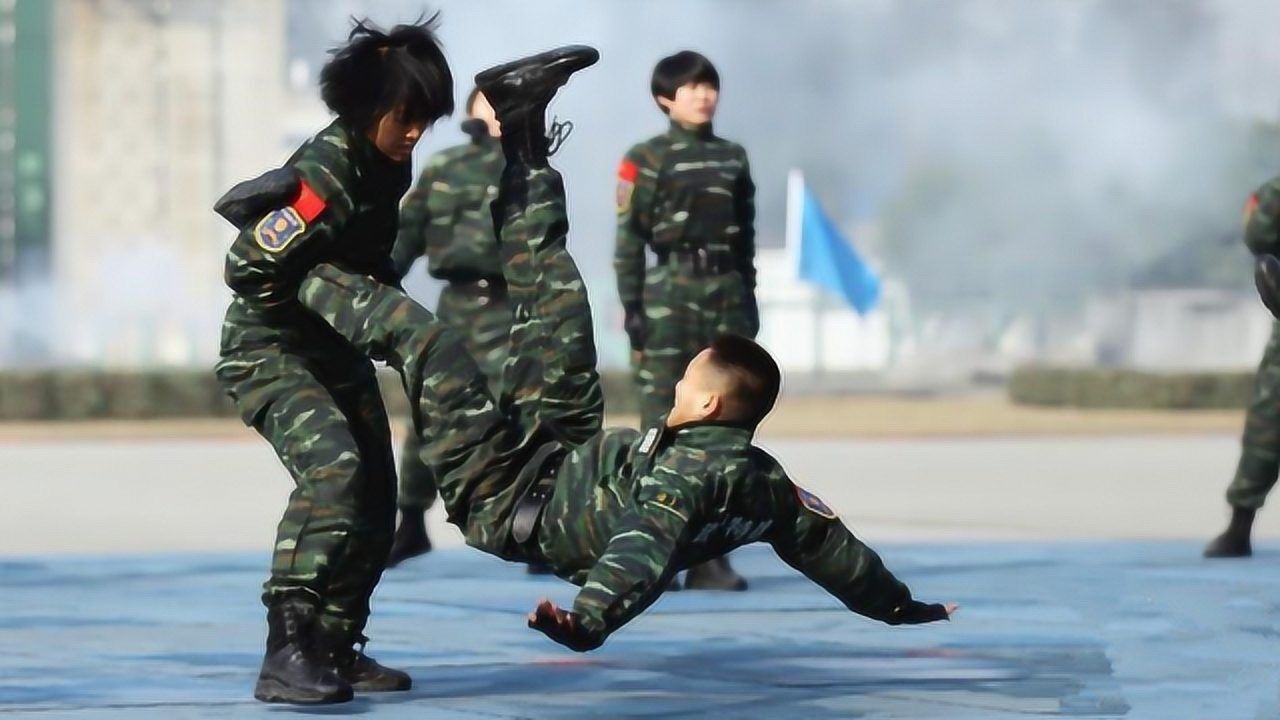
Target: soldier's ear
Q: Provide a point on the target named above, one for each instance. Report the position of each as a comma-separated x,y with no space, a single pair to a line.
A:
711,406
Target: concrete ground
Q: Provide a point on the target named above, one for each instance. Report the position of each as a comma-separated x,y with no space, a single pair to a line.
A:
130,568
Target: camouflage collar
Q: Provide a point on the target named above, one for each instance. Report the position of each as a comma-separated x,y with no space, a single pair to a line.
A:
701,132
714,434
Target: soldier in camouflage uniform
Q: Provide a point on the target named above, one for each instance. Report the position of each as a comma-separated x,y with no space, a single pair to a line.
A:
1259,463
532,476
446,218
305,389
687,196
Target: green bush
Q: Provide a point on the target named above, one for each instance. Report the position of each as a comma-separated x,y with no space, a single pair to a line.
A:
88,394
1104,388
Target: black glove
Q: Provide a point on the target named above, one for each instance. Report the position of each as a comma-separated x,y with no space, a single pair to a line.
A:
633,323
250,200
475,129
914,612
1266,277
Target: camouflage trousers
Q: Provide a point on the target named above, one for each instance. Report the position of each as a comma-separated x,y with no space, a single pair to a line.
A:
683,314
483,320
475,445
1260,447
316,401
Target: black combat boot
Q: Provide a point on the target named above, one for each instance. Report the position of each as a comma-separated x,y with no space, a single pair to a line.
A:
714,575
363,672
519,92
293,670
1234,541
410,539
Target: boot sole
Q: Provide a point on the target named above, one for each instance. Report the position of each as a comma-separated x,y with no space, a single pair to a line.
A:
359,687
584,55
269,690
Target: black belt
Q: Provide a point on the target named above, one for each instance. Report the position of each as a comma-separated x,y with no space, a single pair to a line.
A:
528,512
699,262
489,287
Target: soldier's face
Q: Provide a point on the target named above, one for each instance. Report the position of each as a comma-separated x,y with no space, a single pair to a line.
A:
699,393
396,137
694,103
482,110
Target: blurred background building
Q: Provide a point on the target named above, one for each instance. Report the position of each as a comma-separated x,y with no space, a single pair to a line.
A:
1059,180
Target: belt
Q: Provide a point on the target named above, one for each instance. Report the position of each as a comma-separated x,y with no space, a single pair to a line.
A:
699,262
492,288
528,513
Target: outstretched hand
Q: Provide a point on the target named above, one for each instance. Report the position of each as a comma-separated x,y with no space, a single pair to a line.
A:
917,613
562,626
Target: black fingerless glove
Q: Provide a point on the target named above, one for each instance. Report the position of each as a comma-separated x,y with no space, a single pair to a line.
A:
914,612
633,323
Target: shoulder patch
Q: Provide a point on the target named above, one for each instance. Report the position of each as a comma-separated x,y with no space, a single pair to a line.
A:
814,503
1250,207
627,173
275,231
309,204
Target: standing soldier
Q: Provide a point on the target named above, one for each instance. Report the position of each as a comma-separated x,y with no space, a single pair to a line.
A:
305,389
1260,447
446,218
687,195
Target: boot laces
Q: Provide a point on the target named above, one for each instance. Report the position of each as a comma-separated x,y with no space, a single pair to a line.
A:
559,132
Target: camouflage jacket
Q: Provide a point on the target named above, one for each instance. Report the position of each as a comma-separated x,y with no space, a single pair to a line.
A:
346,213
629,511
446,216
684,190
1262,219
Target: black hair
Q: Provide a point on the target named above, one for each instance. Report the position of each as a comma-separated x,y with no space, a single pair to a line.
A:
675,71
471,98
377,72
754,377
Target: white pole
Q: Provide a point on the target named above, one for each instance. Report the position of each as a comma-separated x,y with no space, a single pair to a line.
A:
795,218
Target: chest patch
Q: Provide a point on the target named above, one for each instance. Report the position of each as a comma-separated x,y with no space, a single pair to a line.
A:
1250,207
813,503
275,231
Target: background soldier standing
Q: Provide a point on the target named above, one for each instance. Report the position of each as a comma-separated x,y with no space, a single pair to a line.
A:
446,218
1260,447
687,195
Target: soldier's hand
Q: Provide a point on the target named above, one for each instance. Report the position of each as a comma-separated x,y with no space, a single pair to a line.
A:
633,323
916,613
562,626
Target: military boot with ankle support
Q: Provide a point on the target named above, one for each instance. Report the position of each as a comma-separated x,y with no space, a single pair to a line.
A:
345,654
294,669
1234,541
519,92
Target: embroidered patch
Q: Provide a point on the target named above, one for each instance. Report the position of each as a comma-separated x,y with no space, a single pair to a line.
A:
627,174
814,503
275,231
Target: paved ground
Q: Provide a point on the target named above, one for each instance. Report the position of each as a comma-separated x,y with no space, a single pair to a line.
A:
166,495
1095,630
1076,560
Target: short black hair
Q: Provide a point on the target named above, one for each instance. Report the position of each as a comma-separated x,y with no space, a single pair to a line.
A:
754,377
377,72
675,71
471,98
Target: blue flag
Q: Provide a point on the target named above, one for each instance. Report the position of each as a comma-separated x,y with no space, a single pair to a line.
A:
831,262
